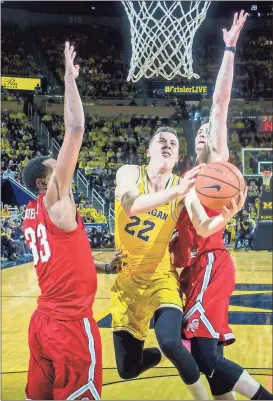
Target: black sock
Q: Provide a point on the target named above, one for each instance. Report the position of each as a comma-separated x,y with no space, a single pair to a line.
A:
262,394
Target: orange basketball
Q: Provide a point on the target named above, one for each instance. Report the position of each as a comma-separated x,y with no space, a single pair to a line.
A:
218,183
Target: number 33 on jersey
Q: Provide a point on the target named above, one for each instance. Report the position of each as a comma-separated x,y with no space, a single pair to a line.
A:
144,238
42,252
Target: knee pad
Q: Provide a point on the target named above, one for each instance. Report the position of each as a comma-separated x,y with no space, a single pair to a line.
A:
228,371
169,346
224,376
219,387
206,363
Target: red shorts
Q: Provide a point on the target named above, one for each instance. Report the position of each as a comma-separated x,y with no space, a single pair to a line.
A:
208,285
65,359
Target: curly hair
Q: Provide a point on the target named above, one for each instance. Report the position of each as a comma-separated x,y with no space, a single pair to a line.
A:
34,170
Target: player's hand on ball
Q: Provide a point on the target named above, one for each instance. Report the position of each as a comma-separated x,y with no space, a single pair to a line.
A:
236,207
70,68
115,264
188,181
231,36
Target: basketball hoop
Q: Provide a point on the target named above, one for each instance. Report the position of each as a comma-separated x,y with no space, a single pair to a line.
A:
162,35
266,179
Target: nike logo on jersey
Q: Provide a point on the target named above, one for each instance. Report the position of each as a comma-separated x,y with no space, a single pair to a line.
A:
217,187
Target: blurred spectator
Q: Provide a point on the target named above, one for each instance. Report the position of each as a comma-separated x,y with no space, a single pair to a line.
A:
5,212
8,173
101,239
231,230
108,239
253,191
17,238
88,218
246,228
8,247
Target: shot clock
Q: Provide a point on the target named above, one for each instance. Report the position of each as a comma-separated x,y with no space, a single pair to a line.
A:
265,123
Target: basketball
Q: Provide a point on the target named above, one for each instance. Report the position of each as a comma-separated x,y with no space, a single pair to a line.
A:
219,183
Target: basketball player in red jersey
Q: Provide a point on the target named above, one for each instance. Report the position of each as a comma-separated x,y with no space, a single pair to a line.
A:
64,340
208,278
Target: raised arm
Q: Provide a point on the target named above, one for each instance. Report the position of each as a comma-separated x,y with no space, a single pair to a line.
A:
61,181
74,124
204,225
222,92
134,203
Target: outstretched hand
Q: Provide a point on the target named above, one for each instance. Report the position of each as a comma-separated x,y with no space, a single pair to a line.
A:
188,181
70,54
231,36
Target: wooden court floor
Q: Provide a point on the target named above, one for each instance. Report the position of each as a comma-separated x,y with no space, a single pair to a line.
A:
250,318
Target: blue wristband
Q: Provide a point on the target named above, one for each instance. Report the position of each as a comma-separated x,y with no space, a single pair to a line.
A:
231,48
107,268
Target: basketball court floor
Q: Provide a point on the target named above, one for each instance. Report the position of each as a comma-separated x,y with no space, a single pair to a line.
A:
250,318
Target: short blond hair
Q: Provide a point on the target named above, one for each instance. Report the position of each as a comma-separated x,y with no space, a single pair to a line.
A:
164,129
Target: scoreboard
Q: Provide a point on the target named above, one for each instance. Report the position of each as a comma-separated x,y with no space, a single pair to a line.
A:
265,123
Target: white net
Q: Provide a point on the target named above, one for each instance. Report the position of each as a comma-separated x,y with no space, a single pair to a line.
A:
162,34
266,179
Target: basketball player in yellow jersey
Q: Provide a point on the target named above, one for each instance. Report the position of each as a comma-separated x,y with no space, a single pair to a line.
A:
148,203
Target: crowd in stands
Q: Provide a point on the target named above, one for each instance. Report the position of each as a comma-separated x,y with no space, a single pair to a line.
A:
110,142
253,71
16,57
20,142
101,58
253,65
243,134
12,237
104,68
239,231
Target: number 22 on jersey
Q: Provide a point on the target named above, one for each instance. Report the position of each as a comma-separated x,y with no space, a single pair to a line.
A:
136,221
43,253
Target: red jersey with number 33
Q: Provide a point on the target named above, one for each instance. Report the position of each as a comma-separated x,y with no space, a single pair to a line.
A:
190,245
64,264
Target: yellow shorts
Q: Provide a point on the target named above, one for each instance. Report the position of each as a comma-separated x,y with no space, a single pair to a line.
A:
134,301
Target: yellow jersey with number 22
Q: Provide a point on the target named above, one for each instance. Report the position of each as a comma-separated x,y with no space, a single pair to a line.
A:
144,238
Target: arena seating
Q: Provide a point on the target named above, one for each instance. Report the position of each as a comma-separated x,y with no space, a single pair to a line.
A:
16,58
101,58
104,73
12,239
111,142
104,68
253,67
19,143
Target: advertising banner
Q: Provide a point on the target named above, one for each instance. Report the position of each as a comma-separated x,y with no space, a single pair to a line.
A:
16,83
266,202
98,226
176,88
